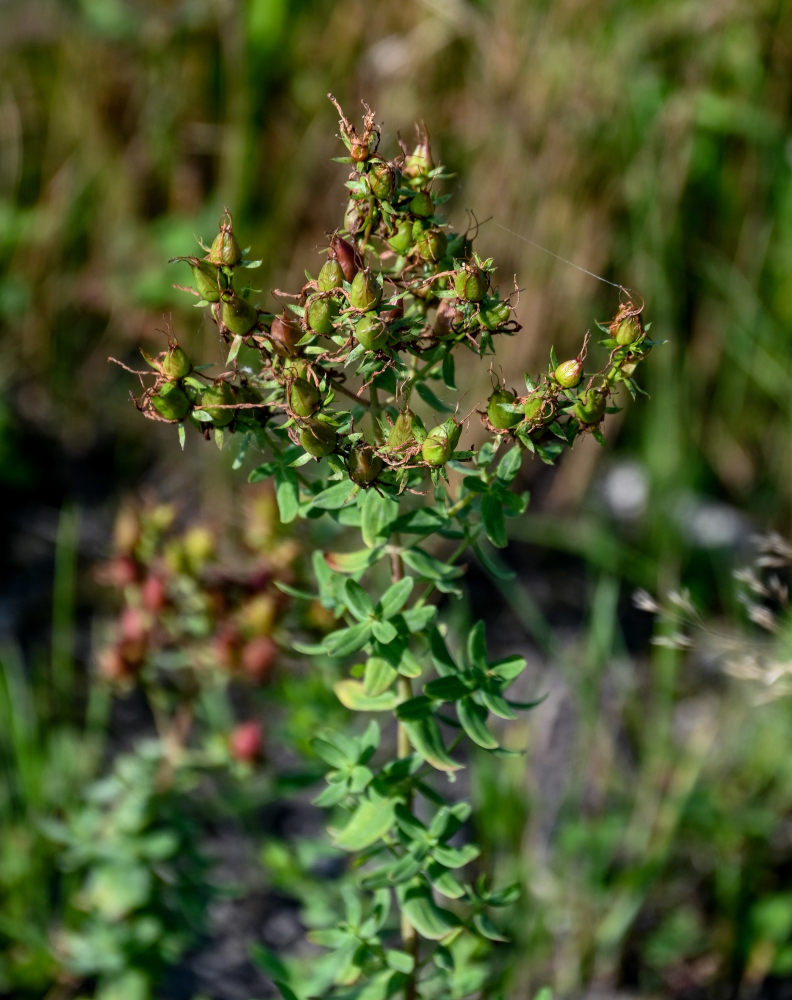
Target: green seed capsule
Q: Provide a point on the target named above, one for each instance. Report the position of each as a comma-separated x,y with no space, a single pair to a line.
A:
320,314
225,250
502,410
432,244
628,331
590,407
363,465
214,399
471,283
237,314
371,332
569,373
382,180
304,397
365,292
402,240
171,402
209,280
418,164
533,409
495,316
318,438
331,276
175,364
438,447
406,431
422,205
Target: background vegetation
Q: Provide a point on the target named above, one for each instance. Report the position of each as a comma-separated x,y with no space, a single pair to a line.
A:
648,142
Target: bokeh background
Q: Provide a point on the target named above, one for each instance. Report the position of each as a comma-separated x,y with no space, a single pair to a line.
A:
648,142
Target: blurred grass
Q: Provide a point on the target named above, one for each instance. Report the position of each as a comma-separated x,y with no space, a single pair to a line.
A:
648,142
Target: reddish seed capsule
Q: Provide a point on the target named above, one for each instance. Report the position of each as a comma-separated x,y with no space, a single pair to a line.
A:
258,657
284,334
344,253
153,593
246,742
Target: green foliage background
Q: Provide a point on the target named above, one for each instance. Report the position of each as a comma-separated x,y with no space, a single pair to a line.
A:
648,142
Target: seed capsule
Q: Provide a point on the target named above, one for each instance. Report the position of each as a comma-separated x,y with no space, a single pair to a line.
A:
171,402
318,438
237,314
628,331
502,412
432,244
470,283
447,319
365,292
590,407
209,280
344,253
495,316
304,397
363,465
418,164
371,332
440,442
569,373
284,334
533,409
331,276
382,180
406,431
320,314
225,250
214,399
422,205
175,364
402,240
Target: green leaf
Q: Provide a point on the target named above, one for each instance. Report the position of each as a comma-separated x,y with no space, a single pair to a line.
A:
333,754
455,857
358,601
497,704
445,882
430,920
509,465
425,737
395,597
428,567
419,707
472,718
416,619
493,520
486,928
493,566
378,677
441,657
352,695
344,641
351,562
236,343
115,890
429,397
449,688
399,960
448,371
287,493
377,514
332,498
508,668
384,632
477,646
331,796
369,822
